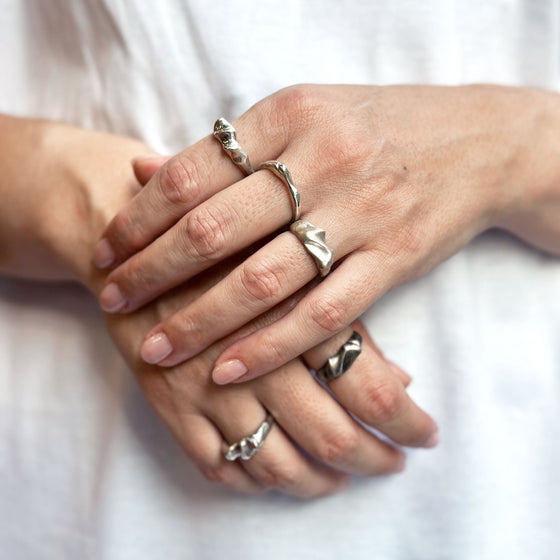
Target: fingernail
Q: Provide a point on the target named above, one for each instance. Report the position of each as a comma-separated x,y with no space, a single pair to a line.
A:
111,298
156,348
229,371
148,157
399,372
103,255
433,440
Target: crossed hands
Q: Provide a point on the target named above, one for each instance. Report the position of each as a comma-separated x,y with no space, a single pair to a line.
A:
207,291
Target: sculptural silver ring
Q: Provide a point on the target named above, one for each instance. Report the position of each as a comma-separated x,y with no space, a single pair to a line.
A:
313,239
341,362
249,445
225,133
281,171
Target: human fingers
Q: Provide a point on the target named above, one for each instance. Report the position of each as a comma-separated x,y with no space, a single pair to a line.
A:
372,388
228,222
277,464
325,311
203,445
145,167
322,427
185,181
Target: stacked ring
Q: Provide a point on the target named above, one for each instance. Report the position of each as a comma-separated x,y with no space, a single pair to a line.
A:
312,238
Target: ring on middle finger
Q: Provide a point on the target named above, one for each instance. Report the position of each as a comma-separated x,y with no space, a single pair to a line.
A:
281,171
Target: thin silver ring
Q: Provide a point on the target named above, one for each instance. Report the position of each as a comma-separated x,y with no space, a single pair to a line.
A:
313,239
342,361
249,445
225,133
281,171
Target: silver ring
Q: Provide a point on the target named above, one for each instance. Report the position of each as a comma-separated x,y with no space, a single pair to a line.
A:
341,362
226,134
249,445
313,239
281,171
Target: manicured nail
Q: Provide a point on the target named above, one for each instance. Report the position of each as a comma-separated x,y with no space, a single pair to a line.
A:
111,298
156,348
229,371
399,372
103,256
433,440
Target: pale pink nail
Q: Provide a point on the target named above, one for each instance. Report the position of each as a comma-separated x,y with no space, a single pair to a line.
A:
156,348
104,256
229,371
111,298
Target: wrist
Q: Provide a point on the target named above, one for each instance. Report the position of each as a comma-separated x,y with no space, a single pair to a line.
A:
532,207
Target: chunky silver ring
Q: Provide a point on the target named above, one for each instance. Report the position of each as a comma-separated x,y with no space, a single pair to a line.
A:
313,239
341,361
281,171
249,445
225,133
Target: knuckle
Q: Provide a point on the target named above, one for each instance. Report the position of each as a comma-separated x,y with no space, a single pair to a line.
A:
205,233
127,234
296,105
261,281
338,446
328,314
218,474
382,401
275,355
281,476
180,183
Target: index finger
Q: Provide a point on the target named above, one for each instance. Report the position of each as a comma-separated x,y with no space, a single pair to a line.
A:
182,183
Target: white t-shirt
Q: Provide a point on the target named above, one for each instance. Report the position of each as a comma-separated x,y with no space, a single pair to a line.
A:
87,470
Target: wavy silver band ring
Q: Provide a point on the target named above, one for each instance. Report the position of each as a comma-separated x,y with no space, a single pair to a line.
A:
313,239
281,171
342,361
249,445
225,133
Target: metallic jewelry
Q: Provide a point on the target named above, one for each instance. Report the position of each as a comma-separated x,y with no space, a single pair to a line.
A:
342,361
249,445
313,239
226,134
281,171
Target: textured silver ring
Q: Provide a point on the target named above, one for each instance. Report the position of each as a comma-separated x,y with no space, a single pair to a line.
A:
249,445
313,239
342,361
225,133
281,171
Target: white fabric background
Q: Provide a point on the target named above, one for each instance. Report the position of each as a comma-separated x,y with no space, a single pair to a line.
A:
86,468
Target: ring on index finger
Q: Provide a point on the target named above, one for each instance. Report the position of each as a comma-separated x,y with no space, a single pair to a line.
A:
226,134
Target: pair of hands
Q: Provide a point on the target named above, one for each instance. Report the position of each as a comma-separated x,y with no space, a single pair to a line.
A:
400,178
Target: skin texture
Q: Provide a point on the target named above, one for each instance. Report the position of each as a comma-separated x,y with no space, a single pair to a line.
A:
61,186
400,178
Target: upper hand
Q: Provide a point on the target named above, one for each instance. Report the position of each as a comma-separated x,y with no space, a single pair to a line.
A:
399,177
